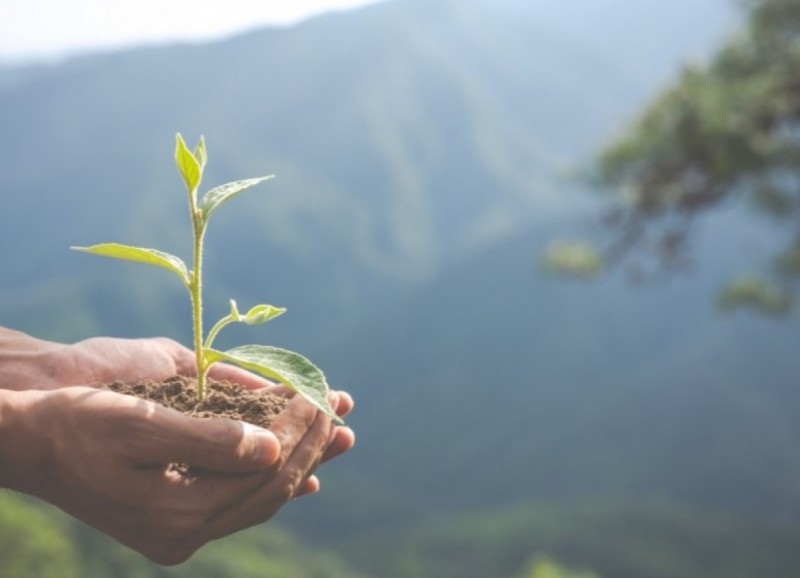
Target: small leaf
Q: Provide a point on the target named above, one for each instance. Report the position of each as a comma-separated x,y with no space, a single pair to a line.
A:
212,200
150,256
261,314
187,164
200,153
235,315
290,368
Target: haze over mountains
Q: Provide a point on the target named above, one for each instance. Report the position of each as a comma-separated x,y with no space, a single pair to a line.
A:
420,149
403,135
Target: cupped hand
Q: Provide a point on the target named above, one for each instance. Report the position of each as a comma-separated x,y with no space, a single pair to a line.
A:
105,459
39,364
27,363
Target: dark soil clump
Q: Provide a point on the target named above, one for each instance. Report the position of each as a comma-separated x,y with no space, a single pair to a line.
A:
223,399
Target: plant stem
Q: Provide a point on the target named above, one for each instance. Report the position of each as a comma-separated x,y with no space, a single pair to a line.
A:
196,291
212,334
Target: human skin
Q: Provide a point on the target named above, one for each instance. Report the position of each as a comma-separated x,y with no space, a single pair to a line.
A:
104,457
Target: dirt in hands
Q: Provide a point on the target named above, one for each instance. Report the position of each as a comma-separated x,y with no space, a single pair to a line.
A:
223,399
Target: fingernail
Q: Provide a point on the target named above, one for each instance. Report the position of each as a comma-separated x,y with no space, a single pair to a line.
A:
343,395
266,447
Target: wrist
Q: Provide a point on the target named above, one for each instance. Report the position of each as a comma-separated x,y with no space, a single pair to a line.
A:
27,362
23,448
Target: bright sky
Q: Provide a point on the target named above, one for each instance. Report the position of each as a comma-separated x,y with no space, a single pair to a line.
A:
47,29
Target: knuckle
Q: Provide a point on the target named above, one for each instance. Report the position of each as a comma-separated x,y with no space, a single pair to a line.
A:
174,354
167,342
303,413
289,485
285,492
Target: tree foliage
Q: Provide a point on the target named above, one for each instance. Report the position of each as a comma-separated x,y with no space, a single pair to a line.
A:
32,543
726,130
546,567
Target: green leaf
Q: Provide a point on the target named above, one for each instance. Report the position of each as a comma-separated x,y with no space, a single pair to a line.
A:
257,315
150,256
188,164
212,200
290,368
261,314
200,153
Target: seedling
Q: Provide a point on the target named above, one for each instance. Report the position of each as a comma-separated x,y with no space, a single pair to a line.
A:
287,367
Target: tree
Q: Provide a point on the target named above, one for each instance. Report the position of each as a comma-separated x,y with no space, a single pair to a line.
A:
727,130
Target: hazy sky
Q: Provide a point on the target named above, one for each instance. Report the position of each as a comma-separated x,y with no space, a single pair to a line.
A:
37,29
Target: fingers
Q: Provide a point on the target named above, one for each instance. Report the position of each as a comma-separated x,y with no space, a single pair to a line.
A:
304,459
166,436
312,486
305,437
344,403
293,479
340,440
343,438
291,425
220,445
289,428
343,441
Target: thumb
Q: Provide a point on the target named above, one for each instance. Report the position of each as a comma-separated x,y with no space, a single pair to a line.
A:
221,445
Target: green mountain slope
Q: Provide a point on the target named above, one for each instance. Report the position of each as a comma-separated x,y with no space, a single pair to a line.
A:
403,136
39,541
621,540
570,393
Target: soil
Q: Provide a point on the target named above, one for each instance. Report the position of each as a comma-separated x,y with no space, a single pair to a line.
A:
223,399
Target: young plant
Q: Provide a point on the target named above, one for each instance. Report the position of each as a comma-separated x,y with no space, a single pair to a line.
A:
287,367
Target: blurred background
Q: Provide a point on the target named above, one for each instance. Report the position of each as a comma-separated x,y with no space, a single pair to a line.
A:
550,247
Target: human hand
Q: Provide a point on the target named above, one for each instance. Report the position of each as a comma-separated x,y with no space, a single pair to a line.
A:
27,363
30,363
103,457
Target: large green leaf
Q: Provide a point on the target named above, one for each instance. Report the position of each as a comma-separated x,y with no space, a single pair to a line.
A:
290,368
150,256
188,164
212,200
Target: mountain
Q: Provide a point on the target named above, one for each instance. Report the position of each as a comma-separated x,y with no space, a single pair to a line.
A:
403,136
575,391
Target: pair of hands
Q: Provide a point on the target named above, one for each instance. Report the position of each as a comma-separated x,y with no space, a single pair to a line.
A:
103,457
